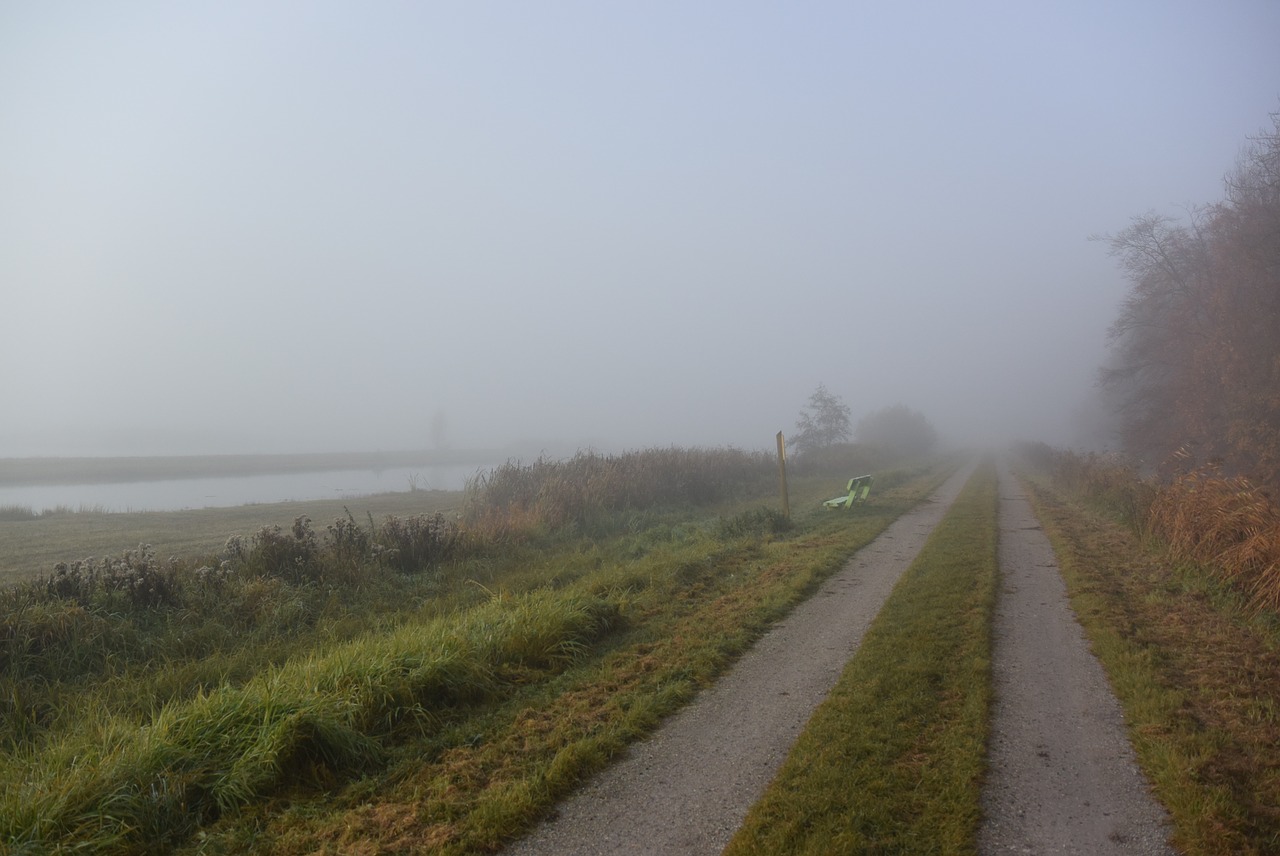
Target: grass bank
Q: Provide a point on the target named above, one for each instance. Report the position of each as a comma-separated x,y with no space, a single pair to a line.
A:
1194,661
892,761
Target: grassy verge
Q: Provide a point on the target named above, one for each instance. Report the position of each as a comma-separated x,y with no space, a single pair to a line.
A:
1195,668
891,762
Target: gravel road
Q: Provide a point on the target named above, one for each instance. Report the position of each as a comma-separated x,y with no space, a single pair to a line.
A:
686,789
1062,776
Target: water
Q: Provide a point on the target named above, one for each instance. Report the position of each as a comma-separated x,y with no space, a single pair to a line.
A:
175,494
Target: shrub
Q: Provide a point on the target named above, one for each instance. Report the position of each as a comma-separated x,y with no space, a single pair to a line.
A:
416,543
294,556
137,577
756,522
349,541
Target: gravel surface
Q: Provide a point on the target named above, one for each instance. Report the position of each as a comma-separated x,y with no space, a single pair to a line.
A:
1062,776
686,789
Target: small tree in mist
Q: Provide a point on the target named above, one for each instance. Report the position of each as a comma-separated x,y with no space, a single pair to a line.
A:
898,429
823,423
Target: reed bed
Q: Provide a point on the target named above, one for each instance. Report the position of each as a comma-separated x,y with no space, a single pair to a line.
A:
585,490
1227,524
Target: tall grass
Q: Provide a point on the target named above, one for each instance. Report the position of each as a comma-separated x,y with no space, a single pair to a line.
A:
586,489
1226,524
120,784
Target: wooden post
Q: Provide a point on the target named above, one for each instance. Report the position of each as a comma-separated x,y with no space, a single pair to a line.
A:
782,475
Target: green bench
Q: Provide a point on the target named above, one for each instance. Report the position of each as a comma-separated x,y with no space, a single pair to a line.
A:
856,493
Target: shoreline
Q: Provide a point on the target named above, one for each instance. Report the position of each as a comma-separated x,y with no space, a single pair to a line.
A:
23,472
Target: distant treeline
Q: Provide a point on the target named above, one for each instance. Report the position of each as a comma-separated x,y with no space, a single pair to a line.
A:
1194,375
31,471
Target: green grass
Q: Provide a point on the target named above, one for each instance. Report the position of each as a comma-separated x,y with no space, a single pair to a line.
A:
322,715
892,761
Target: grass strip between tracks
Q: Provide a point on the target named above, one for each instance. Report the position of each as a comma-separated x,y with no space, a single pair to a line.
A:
892,761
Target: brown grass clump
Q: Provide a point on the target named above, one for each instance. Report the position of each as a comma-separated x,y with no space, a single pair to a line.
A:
1227,524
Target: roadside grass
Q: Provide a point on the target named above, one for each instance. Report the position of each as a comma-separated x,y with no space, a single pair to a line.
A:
689,609
892,761
295,699
1195,665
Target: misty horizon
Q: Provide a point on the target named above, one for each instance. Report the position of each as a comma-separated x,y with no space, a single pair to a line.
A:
308,228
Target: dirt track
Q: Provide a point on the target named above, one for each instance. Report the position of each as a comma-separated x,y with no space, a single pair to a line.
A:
1063,779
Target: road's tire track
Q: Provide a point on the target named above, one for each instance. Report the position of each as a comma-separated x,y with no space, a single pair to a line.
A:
1062,776
686,789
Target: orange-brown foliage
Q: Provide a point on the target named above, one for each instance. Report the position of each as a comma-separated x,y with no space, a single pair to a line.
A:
1196,348
1227,524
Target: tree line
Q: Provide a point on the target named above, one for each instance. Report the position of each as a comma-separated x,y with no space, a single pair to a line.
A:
1193,375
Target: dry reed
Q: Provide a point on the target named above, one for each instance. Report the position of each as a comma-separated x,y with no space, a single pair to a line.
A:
1227,524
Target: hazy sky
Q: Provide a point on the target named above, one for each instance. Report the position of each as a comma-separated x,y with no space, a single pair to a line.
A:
273,226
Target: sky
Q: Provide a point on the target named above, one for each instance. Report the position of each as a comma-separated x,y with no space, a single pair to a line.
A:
317,226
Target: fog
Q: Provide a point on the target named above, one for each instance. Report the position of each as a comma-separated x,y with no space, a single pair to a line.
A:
278,227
